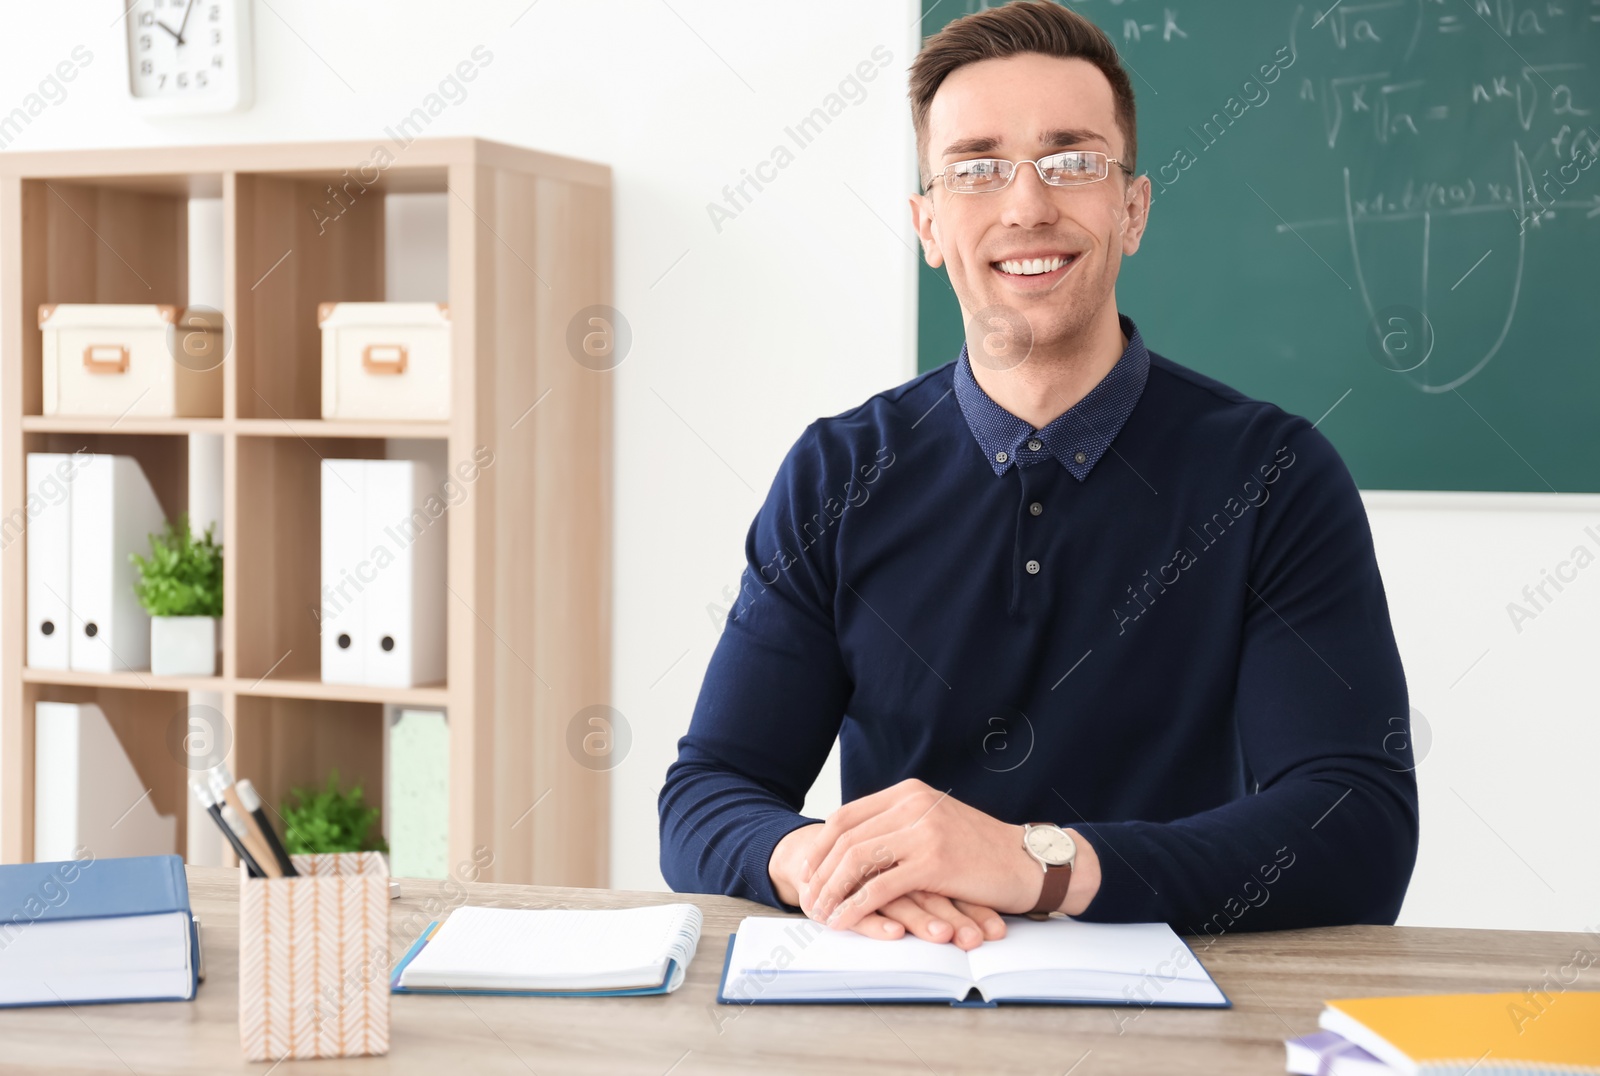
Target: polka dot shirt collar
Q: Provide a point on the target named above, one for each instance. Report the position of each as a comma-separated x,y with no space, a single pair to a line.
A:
1079,436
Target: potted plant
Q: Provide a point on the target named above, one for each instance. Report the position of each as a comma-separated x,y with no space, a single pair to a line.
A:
330,821
180,586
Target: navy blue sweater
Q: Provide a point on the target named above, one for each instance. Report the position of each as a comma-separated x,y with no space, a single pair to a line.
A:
1158,620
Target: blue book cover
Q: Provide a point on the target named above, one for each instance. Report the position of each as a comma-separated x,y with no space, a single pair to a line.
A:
77,889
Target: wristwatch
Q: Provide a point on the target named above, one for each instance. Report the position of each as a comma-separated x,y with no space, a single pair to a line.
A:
1052,847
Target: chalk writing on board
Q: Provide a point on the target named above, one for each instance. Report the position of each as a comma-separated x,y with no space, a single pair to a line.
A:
1470,117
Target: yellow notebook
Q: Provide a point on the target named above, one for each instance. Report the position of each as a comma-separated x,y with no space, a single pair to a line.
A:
1485,1034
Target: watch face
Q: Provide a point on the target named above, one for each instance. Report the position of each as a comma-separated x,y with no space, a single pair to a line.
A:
1051,845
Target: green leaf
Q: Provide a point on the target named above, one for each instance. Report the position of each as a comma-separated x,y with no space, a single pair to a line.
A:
330,821
183,575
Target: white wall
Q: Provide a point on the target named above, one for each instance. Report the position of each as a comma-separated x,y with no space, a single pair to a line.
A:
804,305
1508,743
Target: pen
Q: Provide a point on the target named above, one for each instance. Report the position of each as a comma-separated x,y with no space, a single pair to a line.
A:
252,803
214,809
223,787
260,856
241,835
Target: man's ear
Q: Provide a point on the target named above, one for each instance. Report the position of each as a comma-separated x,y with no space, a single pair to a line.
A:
1135,214
923,221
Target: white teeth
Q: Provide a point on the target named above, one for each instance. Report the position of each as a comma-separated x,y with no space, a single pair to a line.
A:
1032,266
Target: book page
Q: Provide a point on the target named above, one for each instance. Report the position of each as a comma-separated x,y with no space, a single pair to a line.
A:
123,943
767,946
1076,954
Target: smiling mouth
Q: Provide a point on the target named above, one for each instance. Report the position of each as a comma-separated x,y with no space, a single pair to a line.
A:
1026,268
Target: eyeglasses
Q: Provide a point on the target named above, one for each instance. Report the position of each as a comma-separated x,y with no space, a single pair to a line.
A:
1068,169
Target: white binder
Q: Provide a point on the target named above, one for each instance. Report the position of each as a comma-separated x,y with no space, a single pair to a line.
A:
383,573
405,603
49,559
344,602
114,512
86,792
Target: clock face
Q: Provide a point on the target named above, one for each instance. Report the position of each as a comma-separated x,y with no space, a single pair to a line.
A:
192,52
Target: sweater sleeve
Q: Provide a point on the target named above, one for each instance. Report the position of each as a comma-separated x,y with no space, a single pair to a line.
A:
1329,833
771,703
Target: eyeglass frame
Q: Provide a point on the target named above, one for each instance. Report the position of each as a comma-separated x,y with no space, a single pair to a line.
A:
1016,165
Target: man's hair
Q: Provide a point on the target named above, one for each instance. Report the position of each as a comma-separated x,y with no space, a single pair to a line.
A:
1021,26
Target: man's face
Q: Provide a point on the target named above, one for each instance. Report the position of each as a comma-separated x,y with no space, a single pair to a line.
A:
1020,108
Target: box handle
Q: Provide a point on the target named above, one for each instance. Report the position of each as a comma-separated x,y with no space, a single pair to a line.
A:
106,358
384,358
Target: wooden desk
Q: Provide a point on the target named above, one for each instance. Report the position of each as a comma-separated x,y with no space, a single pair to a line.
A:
1277,983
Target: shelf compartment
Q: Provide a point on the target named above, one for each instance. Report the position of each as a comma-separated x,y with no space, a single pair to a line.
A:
300,241
101,240
277,533
284,743
147,723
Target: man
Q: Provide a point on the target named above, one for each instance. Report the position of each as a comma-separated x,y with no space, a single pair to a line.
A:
1098,635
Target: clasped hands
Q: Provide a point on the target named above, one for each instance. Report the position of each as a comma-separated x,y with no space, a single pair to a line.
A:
913,858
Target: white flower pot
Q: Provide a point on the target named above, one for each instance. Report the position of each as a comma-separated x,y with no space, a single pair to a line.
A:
183,645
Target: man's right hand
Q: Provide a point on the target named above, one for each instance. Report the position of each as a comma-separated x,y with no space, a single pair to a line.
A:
926,915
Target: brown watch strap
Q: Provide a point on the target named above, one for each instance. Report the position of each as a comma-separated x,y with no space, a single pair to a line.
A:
1056,881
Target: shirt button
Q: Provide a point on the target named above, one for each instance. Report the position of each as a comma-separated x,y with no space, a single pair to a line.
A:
1033,567
1034,445
1000,457
1035,508
1080,457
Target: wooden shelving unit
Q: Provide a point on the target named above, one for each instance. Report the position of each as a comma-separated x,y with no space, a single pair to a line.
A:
528,613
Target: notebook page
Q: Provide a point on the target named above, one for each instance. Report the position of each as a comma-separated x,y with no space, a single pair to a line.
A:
556,948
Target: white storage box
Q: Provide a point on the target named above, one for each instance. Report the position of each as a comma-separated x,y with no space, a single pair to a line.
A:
385,360
132,359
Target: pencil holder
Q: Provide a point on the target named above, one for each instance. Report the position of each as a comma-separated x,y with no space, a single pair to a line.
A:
314,959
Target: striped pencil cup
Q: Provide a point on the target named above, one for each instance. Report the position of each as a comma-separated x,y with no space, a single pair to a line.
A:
314,959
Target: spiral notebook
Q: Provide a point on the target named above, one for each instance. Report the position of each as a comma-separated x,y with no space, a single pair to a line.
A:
555,952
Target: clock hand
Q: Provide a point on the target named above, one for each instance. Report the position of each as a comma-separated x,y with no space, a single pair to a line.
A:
185,22
170,30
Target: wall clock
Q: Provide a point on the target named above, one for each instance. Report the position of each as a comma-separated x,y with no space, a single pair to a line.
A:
189,56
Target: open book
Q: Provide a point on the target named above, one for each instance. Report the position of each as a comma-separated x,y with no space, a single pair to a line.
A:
557,951
1054,961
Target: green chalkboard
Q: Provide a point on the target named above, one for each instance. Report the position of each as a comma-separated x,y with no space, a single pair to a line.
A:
1430,167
